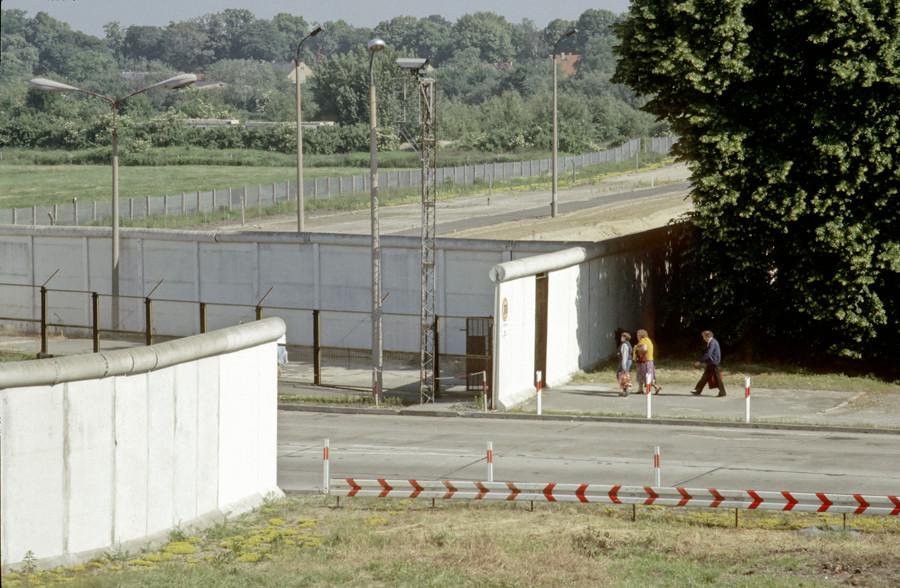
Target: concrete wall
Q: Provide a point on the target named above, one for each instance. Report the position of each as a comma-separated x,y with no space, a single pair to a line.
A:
112,450
592,291
329,272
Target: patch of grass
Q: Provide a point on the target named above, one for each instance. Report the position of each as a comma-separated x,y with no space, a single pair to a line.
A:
341,400
23,184
15,356
372,542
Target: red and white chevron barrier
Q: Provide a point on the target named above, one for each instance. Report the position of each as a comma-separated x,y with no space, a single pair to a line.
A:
597,493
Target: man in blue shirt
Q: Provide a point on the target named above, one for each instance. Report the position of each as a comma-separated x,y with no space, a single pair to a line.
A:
711,374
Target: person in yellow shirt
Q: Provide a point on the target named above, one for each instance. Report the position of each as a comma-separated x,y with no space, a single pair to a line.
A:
643,358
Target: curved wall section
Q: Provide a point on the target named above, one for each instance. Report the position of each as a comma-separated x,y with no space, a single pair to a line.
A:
113,450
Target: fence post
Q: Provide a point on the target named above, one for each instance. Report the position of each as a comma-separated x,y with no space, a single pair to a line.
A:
43,322
259,308
95,320
317,347
148,315
148,321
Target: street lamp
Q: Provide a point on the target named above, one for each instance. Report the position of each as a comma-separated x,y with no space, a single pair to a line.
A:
374,46
314,32
178,81
555,136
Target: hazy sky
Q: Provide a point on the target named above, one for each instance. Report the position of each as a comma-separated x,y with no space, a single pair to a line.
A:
89,16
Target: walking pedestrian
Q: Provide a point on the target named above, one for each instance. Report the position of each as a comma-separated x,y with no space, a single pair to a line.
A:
711,375
623,374
643,357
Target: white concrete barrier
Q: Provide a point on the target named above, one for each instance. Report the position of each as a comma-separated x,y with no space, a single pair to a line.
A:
113,450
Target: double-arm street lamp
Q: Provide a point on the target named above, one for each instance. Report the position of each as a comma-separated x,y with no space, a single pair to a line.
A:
314,32
178,81
555,135
374,46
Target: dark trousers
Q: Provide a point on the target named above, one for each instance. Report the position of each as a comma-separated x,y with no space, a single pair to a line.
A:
711,376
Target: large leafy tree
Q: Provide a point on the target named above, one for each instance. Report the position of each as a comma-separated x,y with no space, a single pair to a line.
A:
487,32
789,114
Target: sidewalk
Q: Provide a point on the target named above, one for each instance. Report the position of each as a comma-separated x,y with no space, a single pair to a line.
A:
773,406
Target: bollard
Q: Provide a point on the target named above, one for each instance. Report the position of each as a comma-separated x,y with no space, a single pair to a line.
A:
484,389
747,399
648,395
490,461
537,379
656,466
325,465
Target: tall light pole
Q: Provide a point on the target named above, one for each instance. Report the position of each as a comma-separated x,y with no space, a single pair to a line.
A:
178,81
555,163
374,46
314,32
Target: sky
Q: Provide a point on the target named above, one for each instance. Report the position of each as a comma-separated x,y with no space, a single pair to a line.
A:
89,16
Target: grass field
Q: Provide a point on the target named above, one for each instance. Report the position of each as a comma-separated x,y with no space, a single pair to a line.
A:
309,541
24,184
30,185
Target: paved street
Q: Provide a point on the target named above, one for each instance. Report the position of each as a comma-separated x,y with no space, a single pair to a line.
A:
580,451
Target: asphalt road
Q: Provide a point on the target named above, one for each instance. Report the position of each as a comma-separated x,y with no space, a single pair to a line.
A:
693,456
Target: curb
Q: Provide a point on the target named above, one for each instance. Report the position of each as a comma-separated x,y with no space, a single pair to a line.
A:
581,418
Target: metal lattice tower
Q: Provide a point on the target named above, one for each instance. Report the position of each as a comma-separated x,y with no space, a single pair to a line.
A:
414,112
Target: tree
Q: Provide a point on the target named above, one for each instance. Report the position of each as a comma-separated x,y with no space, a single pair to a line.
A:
185,46
789,116
143,43
487,32
115,39
262,40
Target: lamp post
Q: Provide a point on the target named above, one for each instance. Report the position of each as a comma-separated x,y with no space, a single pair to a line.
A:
178,81
374,46
314,32
555,135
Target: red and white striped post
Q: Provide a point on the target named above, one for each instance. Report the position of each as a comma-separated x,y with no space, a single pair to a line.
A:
648,395
537,380
656,466
484,389
747,399
490,461
326,474
375,387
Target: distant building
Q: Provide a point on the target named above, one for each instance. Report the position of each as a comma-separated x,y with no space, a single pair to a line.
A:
305,73
568,62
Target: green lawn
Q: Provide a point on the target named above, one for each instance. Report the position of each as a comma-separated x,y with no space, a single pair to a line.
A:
31,185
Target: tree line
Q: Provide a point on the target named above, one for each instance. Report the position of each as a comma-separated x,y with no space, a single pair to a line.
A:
494,81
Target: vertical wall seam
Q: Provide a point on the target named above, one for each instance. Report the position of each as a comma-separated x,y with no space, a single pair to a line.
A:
67,470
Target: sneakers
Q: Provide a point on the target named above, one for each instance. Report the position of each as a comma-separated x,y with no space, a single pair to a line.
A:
695,392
